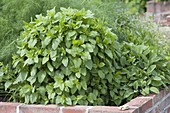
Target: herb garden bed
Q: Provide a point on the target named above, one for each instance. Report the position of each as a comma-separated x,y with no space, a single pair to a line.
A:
154,103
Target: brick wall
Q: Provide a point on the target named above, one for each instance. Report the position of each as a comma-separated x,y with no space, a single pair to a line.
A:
154,103
158,11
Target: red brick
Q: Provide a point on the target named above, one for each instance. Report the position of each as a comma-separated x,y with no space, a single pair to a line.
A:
165,103
168,110
107,109
168,18
157,110
75,109
39,109
6,107
143,103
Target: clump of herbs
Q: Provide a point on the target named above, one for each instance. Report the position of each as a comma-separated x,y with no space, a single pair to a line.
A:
71,57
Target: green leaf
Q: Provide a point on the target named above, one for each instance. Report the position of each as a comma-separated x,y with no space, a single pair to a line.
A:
53,55
31,79
68,101
83,71
32,42
33,71
7,84
102,64
33,98
36,59
101,74
151,68
65,62
89,47
91,97
23,75
50,67
69,83
55,43
27,99
61,87
156,78
123,61
154,90
86,56
78,75
28,61
58,100
42,90
109,77
45,60
88,64
41,76
84,85
77,62
1,73
109,53
94,34
71,33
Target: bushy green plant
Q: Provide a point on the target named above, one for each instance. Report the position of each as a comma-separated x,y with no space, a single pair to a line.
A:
60,55
136,64
71,57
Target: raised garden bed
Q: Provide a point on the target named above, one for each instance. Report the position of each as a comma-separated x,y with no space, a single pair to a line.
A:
154,103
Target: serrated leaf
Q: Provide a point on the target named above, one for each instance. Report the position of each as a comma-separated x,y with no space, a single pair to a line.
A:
68,101
109,53
83,71
154,89
78,75
61,87
65,62
101,74
94,34
53,55
33,98
109,77
123,61
41,76
45,60
88,64
28,61
84,85
50,67
77,62
55,43
33,71
42,90
58,100
32,42
102,64
36,59
7,84
23,75
71,33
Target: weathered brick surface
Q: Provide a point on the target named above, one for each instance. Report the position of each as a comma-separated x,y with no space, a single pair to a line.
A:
75,109
143,103
104,109
39,109
6,107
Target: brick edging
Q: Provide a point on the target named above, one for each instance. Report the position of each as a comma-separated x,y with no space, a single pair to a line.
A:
154,103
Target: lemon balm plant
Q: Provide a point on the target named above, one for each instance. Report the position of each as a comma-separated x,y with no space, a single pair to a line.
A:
72,57
59,55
